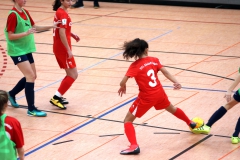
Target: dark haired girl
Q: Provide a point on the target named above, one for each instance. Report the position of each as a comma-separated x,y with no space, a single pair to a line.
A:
151,92
62,49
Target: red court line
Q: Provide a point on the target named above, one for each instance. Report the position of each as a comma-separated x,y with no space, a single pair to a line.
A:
4,66
229,153
211,56
97,147
223,79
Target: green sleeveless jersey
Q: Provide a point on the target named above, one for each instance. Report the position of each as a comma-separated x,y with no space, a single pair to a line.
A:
7,147
23,45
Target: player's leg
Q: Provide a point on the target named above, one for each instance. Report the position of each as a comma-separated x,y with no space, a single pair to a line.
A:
177,112
218,114
16,89
129,128
138,109
221,112
19,86
71,76
95,4
131,135
29,72
235,139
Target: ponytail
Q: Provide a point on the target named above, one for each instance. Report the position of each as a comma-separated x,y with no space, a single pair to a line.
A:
56,4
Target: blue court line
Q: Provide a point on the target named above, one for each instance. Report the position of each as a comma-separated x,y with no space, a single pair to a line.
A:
94,65
81,126
203,89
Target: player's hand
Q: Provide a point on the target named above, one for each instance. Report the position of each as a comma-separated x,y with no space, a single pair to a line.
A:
75,37
177,86
228,96
122,90
70,55
31,31
55,24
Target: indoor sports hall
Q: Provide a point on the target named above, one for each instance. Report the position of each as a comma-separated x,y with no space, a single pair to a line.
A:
200,46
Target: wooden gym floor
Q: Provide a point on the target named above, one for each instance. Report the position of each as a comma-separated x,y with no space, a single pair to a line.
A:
200,46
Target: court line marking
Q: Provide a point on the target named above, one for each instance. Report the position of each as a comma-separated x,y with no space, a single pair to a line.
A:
81,126
192,146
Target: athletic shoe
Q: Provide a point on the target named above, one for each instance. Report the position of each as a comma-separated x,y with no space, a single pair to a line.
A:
96,5
133,149
202,130
77,6
12,101
36,113
235,140
64,100
192,125
57,101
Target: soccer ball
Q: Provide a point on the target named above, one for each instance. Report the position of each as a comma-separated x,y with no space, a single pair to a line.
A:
199,121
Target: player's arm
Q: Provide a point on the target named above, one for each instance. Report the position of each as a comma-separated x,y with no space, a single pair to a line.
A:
122,89
20,153
231,88
75,37
14,36
169,76
44,28
63,37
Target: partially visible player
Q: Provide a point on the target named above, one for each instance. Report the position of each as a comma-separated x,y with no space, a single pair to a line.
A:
151,92
20,46
231,102
62,49
11,135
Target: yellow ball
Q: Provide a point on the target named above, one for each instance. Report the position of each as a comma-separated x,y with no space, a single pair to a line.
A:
199,121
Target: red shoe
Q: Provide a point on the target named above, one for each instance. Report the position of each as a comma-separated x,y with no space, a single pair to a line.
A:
133,149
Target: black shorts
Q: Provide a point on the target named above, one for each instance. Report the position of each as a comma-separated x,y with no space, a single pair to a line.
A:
22,58
236,95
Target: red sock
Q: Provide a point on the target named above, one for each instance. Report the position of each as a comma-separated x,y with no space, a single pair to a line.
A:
181,115
65,84
130,133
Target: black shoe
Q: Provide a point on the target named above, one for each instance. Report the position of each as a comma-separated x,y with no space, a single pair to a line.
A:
57,101
76,5
133,149
192,125
64,100
96,5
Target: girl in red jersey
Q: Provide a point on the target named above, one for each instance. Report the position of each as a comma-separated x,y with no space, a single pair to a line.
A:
145,70
11,136
62,49
20,45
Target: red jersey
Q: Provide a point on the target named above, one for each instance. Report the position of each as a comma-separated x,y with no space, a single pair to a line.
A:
12,19
14,131
58,47
145,70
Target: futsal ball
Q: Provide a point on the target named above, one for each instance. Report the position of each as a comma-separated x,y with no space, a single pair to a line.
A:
199,121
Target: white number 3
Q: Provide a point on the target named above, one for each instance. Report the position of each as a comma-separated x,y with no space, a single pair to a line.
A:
151,73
